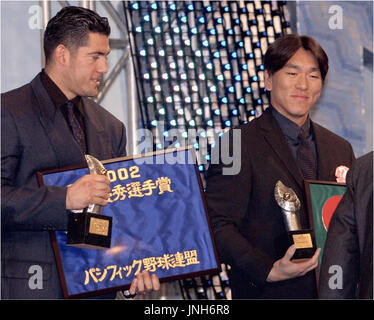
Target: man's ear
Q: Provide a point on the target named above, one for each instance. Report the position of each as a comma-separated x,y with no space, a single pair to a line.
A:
268,80
62,54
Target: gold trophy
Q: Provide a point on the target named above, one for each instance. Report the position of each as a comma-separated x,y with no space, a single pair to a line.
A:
89,228
290,205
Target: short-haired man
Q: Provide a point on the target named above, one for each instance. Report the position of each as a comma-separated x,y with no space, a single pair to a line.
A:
50,123
247,222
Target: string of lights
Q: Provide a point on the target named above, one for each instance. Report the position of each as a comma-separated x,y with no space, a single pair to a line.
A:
199,72
199,65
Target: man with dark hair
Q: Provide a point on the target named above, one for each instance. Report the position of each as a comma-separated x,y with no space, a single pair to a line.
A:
46,124
283,144
282,50
70,26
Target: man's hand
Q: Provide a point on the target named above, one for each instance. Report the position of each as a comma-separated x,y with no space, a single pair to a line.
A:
144,282
90,189
284,268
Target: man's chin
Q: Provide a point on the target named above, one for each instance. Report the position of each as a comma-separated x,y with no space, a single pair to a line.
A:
91,93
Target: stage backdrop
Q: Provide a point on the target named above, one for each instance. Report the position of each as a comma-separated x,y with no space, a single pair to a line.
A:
345,31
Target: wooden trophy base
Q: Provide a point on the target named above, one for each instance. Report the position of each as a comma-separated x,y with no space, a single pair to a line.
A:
89,230
305,243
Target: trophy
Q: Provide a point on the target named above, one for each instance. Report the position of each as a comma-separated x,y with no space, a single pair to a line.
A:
89,228
290,205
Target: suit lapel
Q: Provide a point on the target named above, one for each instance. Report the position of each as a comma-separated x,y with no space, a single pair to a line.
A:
323,150
65,147
274,136
276,140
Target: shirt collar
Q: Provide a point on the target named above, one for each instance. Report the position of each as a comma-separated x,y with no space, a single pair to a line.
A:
289,128
57,96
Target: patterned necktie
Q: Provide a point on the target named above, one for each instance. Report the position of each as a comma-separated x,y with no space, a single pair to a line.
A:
306,158
76,127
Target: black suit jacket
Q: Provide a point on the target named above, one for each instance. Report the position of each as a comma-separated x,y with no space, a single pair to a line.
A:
246,219
349,242
35,137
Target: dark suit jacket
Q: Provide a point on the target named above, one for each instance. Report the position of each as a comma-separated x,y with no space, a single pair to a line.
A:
349,242
247,222
35,137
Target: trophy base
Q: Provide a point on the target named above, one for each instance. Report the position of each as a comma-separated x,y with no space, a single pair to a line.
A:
305,243
89,230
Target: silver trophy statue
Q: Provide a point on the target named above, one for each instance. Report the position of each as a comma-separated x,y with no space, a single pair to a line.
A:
90,229
95,167
290,205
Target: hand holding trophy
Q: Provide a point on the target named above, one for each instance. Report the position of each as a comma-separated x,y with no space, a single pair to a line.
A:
89,228
290,205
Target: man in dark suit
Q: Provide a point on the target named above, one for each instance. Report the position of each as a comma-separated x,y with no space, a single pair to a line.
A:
283,144
347,264
51,123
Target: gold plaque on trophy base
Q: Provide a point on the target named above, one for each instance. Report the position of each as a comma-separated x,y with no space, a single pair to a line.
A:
304,242
89,230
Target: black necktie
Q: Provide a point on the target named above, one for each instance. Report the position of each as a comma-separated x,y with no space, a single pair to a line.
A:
306,158
76,127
